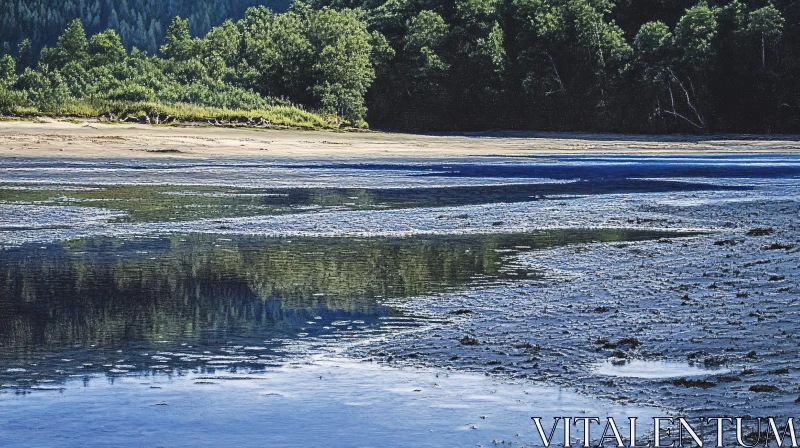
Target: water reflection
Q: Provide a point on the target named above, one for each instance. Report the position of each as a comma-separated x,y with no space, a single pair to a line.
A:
117,305
169,203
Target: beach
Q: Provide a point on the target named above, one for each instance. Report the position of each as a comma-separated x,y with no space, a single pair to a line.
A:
53,138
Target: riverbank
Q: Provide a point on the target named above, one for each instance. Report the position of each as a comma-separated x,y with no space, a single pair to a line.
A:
87,138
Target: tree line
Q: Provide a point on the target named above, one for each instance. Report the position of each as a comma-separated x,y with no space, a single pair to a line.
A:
319,59
139,23
598,65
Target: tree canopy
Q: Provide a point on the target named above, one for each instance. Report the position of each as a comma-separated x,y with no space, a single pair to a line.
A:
600,65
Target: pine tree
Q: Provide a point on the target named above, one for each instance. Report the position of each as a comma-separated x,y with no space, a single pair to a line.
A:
8,71
178,44
25,55
72,46
106,48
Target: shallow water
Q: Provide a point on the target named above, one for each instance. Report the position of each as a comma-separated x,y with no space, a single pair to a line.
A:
637,368
317,403
213,341
119,305
207,303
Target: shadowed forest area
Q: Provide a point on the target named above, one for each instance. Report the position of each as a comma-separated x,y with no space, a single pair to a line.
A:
652,66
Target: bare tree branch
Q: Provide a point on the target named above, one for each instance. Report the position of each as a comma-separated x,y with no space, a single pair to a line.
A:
557,77
688,98
675,113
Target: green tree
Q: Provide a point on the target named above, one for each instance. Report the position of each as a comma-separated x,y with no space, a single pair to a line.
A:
731,17
322,58
25,55
653,48
571,57
131,91
602,40
46,89
492,47
223,42
343,69
106,48
382,52
424,42
8,70
179,45
282,56
767,25
694,36
72,46
253,28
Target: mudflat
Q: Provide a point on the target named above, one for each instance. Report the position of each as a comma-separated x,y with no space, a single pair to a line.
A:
54,138
459,296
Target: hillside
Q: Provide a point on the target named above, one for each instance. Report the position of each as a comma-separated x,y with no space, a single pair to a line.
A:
139,23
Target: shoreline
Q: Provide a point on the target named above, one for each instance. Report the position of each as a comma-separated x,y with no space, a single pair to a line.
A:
91,139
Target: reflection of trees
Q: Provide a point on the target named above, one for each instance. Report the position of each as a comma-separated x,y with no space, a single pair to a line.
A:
107,291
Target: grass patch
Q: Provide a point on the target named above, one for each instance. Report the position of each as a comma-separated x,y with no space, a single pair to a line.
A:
180,113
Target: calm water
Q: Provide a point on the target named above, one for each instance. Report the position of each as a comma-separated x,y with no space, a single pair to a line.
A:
317,403
121,305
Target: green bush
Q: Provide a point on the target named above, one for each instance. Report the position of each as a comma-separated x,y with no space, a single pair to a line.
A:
132,92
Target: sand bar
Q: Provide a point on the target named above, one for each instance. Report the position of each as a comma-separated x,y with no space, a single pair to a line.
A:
52,138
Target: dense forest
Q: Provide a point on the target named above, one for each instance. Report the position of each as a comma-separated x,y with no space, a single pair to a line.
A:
139,23
601,65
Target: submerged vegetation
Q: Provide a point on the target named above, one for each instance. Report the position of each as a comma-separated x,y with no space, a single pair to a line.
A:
635,66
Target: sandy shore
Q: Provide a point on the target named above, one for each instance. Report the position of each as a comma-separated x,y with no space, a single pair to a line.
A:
89,139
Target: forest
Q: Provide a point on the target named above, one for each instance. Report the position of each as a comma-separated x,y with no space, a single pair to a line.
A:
651,66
